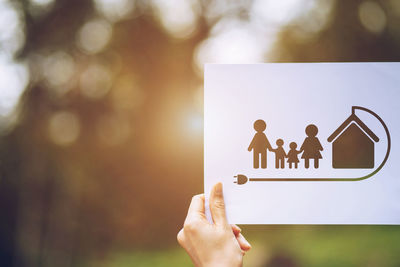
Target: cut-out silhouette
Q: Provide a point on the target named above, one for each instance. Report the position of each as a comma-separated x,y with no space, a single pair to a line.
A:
311,147
259,145
353,144
351,134
292,155
280,154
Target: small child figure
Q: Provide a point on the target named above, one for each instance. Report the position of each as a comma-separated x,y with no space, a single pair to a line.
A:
280,154
292,155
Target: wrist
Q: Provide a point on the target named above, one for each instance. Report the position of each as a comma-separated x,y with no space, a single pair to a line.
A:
226,261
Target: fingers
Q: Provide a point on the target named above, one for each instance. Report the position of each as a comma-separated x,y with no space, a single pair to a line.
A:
243,243
181,237
217,205
196,208
197,204
236,229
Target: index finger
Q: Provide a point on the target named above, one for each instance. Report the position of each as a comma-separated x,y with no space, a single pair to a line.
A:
196,208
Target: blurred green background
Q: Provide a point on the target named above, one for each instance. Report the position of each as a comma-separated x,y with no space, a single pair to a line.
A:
101,103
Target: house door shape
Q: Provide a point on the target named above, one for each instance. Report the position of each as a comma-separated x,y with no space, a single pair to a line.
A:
353,145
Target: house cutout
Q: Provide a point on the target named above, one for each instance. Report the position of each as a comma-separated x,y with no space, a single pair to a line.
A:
353,145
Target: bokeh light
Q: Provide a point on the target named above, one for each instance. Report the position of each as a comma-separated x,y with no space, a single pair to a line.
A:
64,128
114,10
94,36
14,74
41,2
372,16
95,81
58,68
280,12
178,17
395,7
232,41
12,35
13,79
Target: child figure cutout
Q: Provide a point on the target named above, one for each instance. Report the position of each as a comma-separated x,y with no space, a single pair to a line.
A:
292,155
311,147
280,154
259,145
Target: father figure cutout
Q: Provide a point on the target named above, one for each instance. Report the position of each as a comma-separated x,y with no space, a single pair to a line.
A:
260,144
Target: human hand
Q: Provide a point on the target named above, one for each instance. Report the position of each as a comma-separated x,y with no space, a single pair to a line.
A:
218,244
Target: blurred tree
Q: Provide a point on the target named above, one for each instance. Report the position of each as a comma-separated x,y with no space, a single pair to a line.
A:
342,31
98,152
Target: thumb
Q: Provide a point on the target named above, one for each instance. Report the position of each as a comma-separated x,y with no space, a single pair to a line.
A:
217,205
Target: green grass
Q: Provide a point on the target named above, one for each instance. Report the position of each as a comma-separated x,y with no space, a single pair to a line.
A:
310,246
150,258
328,246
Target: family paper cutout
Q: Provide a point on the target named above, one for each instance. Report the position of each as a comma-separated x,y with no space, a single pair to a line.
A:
352,148
310,148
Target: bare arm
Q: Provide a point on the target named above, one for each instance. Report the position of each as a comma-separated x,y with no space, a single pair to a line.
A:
251,146
319,145
302,146
269,147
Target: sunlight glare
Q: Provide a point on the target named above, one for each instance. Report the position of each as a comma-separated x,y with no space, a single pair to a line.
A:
178,17
114,10
233,42
279,12
42,2
194,123
13,81
12,36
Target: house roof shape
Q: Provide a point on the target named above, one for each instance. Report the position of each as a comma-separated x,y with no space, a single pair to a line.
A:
350,119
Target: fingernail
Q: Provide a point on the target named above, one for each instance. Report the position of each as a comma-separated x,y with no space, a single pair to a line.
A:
245,242
218,189
236,228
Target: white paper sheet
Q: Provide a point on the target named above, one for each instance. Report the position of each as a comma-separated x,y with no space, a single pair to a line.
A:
288,97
